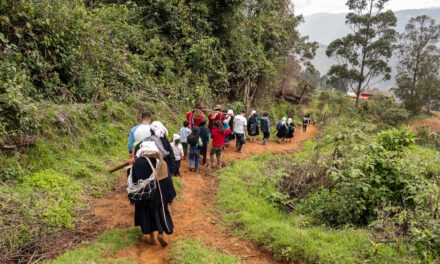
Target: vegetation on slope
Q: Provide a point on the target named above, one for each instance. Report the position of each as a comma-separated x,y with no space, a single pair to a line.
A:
163,51
357,194
45,188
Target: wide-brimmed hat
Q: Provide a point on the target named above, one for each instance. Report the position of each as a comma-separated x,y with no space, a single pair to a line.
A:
198,105
218,107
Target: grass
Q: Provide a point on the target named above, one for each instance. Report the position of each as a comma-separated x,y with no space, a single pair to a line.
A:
77,144
101,251
245,196
187,251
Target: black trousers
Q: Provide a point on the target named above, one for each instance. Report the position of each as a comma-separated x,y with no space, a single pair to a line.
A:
239,141
204,152
185,149
266,135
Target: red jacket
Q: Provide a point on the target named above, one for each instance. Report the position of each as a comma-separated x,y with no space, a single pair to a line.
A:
218,137
193,120
215,117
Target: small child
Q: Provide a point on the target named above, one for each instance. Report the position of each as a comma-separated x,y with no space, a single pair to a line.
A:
178,153
218,135
184,132
265,127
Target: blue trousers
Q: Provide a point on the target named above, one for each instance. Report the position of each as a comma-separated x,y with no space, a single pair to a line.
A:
194,157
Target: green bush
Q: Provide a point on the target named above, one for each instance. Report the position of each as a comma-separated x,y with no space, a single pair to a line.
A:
56,197
18,110
396,139
385,110
426,137
385,184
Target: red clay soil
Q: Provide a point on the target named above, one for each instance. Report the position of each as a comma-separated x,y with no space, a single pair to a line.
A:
433,122
194,213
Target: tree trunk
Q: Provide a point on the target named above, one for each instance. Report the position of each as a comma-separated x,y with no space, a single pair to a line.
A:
302,94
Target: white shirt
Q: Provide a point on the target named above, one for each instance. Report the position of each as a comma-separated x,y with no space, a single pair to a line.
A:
141,132
239,123
177,150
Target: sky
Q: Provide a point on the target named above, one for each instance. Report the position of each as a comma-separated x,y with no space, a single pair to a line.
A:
308,7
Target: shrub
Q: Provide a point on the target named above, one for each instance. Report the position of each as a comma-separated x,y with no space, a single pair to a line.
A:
385,110
55,197
17,109
396,139
426,137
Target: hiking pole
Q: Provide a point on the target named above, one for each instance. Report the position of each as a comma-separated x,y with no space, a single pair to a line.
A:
119,167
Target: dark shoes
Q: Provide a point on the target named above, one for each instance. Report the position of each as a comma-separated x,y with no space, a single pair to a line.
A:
162,240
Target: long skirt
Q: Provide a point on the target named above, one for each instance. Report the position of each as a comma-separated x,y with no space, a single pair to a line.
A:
153,215
169,193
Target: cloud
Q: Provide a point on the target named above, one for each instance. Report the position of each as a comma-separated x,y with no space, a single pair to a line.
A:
308,7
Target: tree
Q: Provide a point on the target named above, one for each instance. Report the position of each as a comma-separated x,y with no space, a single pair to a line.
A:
418,82
363,54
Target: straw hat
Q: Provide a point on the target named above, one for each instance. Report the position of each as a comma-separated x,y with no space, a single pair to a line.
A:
218,107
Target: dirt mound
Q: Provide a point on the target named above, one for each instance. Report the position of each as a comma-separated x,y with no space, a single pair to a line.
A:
193,213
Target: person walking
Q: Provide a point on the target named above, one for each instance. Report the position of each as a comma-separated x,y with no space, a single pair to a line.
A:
139,132
253,129
305,122
265,127
216,115
290,130
218,135
240,127
204,135
178,153
196,116
148,190
282,130
229,124
194,142
184,132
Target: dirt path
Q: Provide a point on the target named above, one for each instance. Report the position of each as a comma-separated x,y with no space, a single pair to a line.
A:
194,214
433,122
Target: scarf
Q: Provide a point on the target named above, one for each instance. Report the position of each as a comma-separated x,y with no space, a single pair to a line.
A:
283,121
159,129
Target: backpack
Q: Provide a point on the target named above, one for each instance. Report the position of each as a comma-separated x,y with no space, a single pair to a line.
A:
193,140
144,190
279,125
264,125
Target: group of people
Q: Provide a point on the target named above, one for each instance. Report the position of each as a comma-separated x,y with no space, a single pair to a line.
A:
154,159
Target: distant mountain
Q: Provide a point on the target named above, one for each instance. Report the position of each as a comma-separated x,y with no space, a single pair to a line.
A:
325,27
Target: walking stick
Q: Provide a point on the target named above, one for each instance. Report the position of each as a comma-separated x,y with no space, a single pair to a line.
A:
119,167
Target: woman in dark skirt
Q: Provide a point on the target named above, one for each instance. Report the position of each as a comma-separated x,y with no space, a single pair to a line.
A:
253,129
151,214
290,130
282,130
160,132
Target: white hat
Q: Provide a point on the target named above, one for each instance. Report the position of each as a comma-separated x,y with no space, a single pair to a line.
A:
253,112
175,137
230,112
289,121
